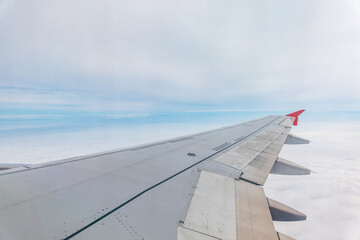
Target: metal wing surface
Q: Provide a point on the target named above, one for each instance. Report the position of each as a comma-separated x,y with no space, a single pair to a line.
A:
202,186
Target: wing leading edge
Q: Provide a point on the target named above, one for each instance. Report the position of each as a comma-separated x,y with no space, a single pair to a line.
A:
202,186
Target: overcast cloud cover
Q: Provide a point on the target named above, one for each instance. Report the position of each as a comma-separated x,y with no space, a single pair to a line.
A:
82,76
330,197
157,55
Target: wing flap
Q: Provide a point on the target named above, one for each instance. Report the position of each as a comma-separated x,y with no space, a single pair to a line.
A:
285,167
257,155
292,139
253,215
256,143
272,132
212,208
229,209
276,146
258,170
238,157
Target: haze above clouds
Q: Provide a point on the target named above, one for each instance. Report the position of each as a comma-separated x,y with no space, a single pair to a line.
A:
157,55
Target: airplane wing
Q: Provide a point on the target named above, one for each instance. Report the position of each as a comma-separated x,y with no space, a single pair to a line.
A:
202,186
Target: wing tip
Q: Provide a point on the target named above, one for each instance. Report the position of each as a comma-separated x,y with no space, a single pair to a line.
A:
295,116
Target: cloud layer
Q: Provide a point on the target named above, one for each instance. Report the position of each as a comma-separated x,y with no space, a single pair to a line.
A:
189,55
330,197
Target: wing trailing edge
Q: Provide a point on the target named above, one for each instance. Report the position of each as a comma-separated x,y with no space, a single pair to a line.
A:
285,167
281,212
292,139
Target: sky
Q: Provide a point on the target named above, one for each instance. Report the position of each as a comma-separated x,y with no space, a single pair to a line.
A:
155,56
78,77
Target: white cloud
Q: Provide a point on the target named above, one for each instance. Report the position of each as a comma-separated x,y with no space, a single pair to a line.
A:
330,197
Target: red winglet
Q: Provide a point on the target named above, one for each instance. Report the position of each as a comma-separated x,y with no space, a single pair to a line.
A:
296,116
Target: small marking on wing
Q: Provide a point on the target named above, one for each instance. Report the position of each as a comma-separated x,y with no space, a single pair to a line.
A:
221,146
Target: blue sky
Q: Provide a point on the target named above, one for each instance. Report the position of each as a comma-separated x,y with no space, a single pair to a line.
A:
153,56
